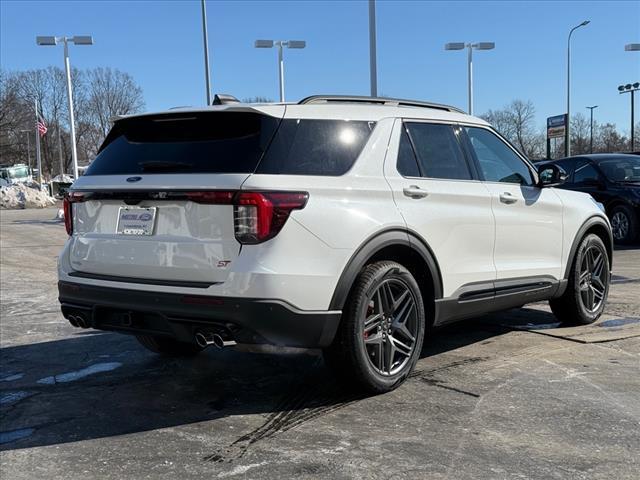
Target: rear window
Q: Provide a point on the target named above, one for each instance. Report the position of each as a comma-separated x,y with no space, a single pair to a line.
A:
315,147
229,142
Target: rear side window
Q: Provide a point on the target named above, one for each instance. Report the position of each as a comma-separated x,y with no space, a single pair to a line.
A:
315,147
407,163
438,151
209,142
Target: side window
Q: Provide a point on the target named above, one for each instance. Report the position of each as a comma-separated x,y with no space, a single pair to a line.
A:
585,173
407,164
498,162
439,152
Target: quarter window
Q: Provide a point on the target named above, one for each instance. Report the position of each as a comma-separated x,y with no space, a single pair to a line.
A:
497,161
407,162
438,151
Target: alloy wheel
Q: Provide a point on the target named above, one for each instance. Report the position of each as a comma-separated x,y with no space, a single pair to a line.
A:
620,226
593,278
390,327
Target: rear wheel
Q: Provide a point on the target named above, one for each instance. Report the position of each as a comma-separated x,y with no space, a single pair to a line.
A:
382,330
624,224
168,346
584,300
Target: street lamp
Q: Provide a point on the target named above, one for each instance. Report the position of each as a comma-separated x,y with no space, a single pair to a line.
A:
470,47
567,138
632,47
631,88
280,44
76,40
591,136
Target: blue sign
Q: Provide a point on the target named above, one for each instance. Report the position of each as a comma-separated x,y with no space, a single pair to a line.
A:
557,121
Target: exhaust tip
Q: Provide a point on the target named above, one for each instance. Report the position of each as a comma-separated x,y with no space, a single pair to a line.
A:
82,323
72,320
201,340
217,341
205,339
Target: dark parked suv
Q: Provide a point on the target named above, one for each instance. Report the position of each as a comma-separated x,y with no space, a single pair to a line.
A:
612,179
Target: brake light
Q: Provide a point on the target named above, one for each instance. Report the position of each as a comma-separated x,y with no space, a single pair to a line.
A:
69,199
259,216
214,197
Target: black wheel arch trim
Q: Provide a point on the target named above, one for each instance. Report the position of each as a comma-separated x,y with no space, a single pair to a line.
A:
371,246
589,223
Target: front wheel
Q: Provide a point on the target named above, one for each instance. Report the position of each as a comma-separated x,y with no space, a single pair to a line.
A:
624,224
584,299
381,333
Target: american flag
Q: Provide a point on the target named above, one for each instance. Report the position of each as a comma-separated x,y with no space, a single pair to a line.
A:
42,127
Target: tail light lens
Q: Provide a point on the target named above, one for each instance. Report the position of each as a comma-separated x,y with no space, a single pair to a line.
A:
69,199
259,216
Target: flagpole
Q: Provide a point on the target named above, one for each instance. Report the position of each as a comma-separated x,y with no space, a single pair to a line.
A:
38,147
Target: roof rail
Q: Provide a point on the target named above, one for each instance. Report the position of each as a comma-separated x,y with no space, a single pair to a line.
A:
376,100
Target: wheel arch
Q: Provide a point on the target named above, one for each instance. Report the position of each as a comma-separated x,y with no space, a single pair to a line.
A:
396,245
598,226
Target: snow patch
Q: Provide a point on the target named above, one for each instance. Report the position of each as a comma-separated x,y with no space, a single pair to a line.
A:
22,196
11,378
13,397
240,469
77,375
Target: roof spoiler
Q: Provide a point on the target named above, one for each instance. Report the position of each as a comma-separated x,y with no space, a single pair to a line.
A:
224,99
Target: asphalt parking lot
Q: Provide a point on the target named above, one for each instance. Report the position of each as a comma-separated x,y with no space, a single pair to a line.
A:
503,396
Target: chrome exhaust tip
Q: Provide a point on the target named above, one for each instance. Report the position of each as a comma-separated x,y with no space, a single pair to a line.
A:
205,339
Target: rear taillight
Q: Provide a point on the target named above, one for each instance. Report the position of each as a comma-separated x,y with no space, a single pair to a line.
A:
69,199
259,216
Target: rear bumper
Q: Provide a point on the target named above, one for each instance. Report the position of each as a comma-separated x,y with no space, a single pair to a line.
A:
180,316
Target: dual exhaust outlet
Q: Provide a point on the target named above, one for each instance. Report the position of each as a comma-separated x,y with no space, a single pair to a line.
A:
205,339
78,321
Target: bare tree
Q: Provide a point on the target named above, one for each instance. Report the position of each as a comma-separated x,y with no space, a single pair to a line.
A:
516,122
110,93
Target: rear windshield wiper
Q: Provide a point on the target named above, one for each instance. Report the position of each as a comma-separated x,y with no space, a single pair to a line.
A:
159,166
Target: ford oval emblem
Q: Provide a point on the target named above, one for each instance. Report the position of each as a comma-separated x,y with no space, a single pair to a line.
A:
134,179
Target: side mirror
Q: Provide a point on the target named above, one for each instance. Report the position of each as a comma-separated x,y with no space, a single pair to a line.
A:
551,175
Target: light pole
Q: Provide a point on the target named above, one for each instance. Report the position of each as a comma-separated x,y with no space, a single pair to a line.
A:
632,47
28,148
567,136
591,130
280,44
470,47
373,58
206,52
631,88
76,40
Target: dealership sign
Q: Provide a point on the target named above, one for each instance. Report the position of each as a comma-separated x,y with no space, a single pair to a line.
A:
556,126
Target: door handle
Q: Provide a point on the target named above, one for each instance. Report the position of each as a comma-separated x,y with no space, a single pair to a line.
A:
414,191
508,198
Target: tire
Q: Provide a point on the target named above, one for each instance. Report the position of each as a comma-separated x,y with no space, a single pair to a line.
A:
585,297
168,346
379,358
624,224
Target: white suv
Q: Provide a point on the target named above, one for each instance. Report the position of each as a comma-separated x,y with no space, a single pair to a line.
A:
350,224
